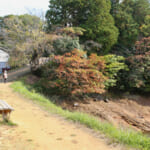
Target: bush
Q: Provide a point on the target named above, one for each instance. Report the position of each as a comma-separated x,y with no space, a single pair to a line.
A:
114,64
138,76
143,46
65,44
72,31
73,74
92,47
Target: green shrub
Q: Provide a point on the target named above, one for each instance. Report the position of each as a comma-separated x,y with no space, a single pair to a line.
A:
138,76
92,47
65,44
114,64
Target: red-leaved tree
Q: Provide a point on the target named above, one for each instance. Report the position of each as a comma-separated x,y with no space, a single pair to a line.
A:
74,74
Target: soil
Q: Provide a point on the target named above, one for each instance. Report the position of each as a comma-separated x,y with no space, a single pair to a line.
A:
128,111
39,130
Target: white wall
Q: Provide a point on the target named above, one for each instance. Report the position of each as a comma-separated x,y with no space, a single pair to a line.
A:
3,56
3,60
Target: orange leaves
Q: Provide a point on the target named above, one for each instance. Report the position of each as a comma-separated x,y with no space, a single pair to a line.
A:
97,61
77,74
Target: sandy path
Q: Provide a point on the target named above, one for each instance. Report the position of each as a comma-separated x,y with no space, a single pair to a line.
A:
39,130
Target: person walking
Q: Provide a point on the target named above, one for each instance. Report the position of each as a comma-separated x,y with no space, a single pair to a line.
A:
5,76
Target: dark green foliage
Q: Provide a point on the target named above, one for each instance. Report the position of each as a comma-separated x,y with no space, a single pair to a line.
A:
141,10
138,75
126,24
92,15
114,7
92,47
128,29
100,25
57,13
65,44
129,18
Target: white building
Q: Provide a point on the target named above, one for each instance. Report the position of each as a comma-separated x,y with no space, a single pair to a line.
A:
3,60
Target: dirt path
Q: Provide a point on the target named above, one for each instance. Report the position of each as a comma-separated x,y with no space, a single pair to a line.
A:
38,130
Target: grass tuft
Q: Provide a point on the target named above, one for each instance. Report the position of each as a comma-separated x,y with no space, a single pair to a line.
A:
8,123
127,137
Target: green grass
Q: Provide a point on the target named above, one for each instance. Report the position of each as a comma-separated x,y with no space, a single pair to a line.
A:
127,137
8,123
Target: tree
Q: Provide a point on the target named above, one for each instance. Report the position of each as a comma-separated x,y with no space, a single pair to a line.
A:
65,44
141,10
74,75
128,28
145,28
100,25
114,7
129,18
126,24
138,76
67,13
20,29
92,15
18,34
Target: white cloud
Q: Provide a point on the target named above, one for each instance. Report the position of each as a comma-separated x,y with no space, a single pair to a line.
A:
21,6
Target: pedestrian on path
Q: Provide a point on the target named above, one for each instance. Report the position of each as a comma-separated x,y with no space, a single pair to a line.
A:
5,76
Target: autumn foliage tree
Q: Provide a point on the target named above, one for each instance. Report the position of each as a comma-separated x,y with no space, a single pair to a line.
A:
73,74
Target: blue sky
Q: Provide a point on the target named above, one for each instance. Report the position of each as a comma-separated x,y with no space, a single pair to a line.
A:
18,7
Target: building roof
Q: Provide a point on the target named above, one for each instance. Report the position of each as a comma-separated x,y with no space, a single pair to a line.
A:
4,56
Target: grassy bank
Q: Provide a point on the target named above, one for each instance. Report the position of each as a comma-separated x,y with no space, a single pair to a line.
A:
131,138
